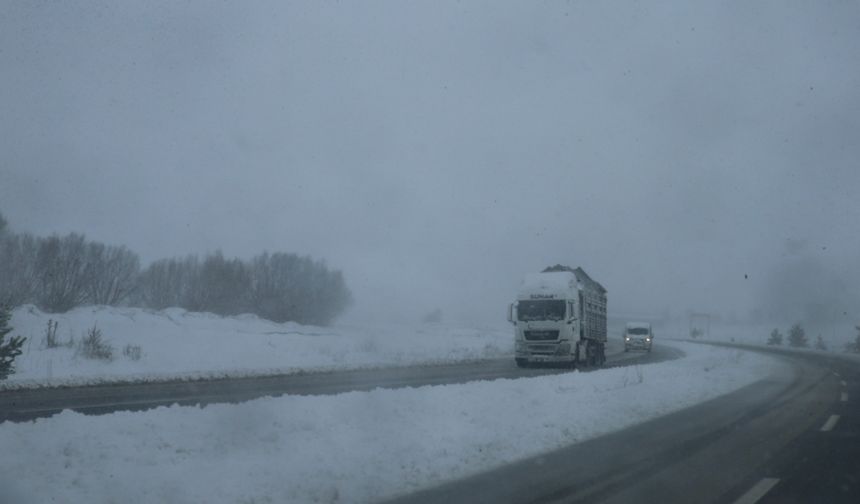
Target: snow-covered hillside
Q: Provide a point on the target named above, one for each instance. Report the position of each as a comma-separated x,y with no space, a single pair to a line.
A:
179,344
353,447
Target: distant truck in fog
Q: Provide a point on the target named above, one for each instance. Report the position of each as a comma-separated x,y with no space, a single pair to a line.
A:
559,317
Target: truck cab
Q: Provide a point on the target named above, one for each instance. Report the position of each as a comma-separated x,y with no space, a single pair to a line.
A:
638,335
557,319
546,330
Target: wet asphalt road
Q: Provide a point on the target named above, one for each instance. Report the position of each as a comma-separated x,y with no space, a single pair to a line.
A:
773,441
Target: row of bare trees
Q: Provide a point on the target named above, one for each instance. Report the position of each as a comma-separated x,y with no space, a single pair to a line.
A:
59,273
277,287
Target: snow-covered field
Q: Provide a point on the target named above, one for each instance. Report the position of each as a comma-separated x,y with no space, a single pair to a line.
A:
353,447
179,344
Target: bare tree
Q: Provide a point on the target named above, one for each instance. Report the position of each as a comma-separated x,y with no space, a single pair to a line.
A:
289,287
18,279
223,285
60,269
110,273
168,282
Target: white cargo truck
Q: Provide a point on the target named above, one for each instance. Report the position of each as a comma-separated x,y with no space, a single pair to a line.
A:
559,317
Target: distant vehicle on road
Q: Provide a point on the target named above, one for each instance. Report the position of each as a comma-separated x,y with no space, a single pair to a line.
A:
559,317
638,335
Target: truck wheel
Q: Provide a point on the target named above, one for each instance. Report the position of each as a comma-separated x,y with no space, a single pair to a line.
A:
522,363
591,351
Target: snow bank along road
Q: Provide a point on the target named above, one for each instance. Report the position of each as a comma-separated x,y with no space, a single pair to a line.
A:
794,438
28,404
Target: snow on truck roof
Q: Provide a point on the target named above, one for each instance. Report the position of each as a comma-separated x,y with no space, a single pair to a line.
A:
558,281
549,284
580,274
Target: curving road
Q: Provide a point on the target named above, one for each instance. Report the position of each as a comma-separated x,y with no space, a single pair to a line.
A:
26,405
793,438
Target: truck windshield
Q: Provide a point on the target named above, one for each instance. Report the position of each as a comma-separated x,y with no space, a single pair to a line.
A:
638,331
545,309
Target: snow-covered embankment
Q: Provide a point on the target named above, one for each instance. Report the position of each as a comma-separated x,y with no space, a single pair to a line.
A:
177,344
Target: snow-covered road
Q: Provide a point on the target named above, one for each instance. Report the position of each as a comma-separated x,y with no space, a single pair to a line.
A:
352,447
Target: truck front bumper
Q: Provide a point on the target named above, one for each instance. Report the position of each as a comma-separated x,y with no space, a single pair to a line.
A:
556,351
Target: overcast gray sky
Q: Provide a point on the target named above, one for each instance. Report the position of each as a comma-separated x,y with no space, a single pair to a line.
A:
437,151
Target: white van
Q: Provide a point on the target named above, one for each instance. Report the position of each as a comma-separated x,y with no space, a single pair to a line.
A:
638,335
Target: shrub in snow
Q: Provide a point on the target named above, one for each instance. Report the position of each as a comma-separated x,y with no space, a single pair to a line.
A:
8,350
92,346
797,336
775,338
50,340
819,344
133,352
695,332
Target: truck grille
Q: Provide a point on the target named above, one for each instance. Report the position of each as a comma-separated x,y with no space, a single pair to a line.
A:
543,349
541,335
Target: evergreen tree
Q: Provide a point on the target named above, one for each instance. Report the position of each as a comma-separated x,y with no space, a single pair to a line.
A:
820,344
775,338
8,350
797,337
